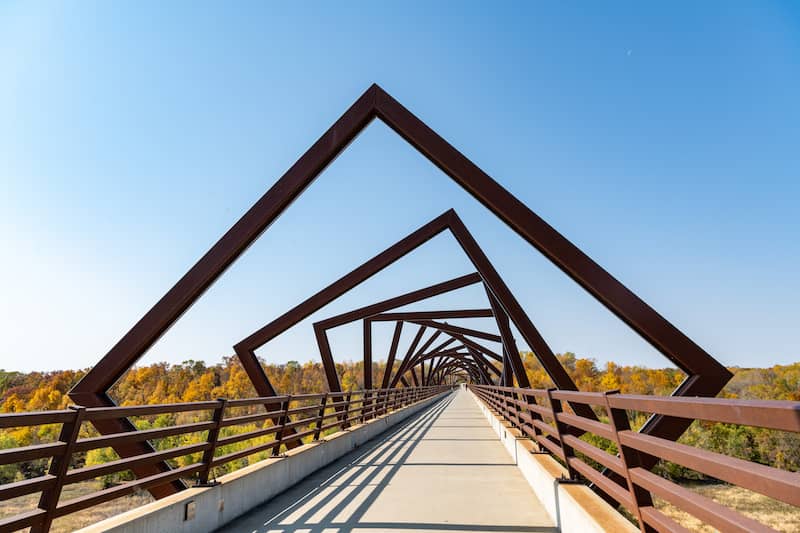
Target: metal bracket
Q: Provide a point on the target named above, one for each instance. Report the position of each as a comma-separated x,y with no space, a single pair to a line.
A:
567,481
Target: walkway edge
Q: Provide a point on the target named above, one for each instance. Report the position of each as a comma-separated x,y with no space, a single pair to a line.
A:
240,491
573,508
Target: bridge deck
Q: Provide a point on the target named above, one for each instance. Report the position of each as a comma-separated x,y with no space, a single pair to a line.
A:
443,470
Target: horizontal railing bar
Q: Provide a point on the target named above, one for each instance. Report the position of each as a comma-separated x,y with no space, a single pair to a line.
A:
604,458
769,414
88,472
598,428
306,409
329,426
262,400
26,486
587,398
622,495
247,419
105,441
547,428
773,482
706,509
22,520
299,435
232,439
90,500
297,423
30,453
37,418
105,413
660,521
227,458
314,396
551,446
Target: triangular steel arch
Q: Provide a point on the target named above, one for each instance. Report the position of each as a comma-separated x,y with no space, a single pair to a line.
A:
706,376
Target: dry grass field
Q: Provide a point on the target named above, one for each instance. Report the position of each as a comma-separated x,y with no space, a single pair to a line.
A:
76,521
775,514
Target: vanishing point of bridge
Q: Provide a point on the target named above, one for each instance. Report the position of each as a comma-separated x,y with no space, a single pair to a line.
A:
450,437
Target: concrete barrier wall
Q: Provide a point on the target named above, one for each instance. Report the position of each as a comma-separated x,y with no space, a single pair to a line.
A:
574,508
244,489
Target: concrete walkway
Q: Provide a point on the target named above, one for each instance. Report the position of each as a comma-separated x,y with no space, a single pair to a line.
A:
443,470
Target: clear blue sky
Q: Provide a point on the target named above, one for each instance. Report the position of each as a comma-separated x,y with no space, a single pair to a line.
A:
663,139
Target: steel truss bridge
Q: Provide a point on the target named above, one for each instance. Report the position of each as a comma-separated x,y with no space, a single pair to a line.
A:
421,385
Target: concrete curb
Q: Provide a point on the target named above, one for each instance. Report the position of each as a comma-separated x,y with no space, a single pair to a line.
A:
573,507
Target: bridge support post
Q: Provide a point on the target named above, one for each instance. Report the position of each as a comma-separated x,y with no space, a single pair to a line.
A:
561,429
282,421
618,420
213,437
320,417
48,500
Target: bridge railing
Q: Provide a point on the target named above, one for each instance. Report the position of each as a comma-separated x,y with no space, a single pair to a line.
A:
542,416
218,433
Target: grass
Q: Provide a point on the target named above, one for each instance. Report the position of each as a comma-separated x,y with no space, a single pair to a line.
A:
775,514
80,519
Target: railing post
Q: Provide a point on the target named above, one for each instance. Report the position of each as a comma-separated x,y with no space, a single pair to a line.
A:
561,430
385,408
511,408
346,420
320,417
378,404
618,420
282,421
531,400
213,437
48,500
364,404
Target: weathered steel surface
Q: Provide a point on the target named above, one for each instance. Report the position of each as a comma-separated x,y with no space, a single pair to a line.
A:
705,376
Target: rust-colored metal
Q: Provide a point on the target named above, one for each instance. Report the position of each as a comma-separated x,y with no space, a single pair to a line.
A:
387,374
304,413
638,484
705,377
433,315
321,327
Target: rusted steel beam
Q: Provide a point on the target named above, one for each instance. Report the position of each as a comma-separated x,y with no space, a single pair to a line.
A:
367,356
450,328
321,327
470,366
430,315
419,317
409,354
406,363
706,375
508,341
455,355
414,377
387,374
569,258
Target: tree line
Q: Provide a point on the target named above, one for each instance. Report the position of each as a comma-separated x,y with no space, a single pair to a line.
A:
196,381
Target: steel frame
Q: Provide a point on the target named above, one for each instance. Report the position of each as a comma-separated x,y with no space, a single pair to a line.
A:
705,376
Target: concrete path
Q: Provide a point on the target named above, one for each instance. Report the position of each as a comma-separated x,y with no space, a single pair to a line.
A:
444,470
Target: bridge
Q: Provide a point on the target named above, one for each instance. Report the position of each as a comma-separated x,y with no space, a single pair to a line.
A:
450,437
